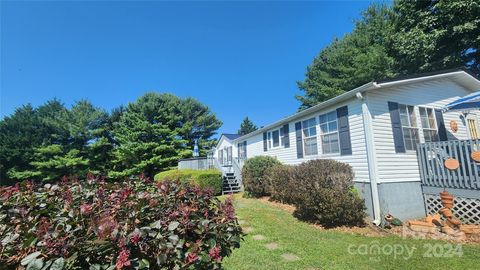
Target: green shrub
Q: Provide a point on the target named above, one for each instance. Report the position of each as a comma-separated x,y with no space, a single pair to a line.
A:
131,224
321,190
253,175
281,183
203,178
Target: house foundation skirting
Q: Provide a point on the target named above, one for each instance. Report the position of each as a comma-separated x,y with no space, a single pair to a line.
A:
403,200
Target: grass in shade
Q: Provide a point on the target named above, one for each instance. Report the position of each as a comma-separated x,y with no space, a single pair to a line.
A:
298,245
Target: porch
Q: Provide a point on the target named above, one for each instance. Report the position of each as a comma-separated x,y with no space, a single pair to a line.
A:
229,166
453,166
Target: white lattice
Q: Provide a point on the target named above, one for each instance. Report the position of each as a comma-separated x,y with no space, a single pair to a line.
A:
466,209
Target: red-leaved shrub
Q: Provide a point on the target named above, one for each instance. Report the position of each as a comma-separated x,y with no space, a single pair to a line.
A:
124,225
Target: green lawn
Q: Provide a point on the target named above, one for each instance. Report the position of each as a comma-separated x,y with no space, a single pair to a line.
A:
319,249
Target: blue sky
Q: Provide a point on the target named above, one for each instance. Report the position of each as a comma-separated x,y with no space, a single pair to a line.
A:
239,58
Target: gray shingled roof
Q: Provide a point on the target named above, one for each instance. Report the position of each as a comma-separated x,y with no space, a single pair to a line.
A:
231,136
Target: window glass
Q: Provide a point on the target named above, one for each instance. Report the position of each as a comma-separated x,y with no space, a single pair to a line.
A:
429,127
310,137
409,126
275,138
329,136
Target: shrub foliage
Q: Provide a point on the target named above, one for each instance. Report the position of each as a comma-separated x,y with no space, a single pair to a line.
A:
203,178
125,225
321,190
253,175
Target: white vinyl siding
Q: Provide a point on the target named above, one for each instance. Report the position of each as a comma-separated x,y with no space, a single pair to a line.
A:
358,159
395,167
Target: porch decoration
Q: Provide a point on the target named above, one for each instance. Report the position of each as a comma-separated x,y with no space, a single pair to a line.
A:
453,126
447,199
442,225
475,156
451,164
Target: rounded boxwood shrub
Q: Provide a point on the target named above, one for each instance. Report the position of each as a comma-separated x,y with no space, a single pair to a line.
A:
124,225
203,178
253,175
321,190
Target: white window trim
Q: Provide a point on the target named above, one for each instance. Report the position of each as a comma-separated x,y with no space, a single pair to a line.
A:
422,138
309,137
270,139
469,130
415,112
328,133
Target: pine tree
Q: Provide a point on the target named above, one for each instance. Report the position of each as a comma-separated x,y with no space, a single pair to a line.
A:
146,143
246,127
355,59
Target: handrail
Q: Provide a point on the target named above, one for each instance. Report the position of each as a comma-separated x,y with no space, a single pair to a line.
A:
238,170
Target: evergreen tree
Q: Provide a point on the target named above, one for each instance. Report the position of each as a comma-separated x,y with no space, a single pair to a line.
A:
246,127
357,58
406,38
436,34
53,161
20,133
146,142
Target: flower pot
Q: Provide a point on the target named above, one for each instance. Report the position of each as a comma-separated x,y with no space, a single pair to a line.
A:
455,222
444,195
446,212
448,205
448,230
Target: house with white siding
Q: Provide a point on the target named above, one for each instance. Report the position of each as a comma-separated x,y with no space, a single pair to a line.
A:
376,129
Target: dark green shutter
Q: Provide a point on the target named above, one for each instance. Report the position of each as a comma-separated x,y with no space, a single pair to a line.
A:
442,131
396,127
265,148
298,134
344,131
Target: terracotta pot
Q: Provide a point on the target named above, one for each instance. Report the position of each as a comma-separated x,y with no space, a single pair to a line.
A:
446,212
444,195
448,205
448,230
454,221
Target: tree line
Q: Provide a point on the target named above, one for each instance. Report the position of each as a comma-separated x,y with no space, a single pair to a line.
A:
146,136
403,38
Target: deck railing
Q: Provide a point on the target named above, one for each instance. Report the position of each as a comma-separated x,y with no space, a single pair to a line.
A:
431,159
199,163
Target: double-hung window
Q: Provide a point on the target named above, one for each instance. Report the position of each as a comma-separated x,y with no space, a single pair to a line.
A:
429,126
310,137
409,126
273,139
329,136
